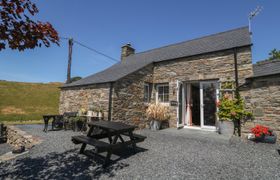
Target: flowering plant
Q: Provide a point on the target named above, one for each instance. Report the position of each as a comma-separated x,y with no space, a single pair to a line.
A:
260,131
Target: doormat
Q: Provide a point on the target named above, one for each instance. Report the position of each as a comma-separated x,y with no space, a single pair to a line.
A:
10,155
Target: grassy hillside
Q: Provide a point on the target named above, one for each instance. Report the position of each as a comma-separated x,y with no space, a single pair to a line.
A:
27,101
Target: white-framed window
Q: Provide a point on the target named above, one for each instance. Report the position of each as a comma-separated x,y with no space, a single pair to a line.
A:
147,92
163,93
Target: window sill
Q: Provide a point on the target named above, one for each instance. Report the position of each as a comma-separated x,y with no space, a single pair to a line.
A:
164,103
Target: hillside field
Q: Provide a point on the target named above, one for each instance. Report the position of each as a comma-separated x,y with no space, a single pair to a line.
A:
20,101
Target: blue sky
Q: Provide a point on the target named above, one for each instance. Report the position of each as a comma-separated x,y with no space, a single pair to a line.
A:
108,24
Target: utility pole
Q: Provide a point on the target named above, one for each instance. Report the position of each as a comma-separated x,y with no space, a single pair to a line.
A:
70,46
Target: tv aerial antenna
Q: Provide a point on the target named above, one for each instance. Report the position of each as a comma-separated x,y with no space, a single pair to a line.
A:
252,15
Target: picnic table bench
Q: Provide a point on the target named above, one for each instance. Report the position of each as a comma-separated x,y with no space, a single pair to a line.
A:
111,130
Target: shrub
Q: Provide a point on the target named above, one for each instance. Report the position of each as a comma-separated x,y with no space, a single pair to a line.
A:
232,108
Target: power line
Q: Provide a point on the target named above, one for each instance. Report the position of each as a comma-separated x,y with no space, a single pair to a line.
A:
96,51
92,49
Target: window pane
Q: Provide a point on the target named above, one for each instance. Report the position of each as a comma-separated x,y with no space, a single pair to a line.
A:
160,98
166,89
160,90
166,98
146,93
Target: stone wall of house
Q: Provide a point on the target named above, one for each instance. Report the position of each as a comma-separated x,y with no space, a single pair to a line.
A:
128,93
262,96
74,98
128,97
219,65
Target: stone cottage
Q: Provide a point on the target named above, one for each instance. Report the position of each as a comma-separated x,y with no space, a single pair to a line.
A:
187,76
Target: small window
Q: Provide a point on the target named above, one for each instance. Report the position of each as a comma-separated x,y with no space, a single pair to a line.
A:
163,93
147,92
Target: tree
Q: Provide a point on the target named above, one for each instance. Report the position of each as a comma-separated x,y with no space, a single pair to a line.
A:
18,31
76,78
274,54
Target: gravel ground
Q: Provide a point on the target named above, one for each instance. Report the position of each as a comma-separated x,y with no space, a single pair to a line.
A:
166,154
4,148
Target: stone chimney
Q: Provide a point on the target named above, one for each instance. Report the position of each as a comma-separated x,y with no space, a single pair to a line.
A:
127,50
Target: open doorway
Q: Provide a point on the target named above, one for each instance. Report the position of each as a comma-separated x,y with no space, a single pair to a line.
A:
197,102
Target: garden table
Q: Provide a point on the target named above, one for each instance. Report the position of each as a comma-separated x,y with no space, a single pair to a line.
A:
111,130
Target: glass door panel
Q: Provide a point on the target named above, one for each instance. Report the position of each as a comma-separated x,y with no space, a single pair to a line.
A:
208,93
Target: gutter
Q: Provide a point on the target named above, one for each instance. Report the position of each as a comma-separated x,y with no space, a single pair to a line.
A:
84,85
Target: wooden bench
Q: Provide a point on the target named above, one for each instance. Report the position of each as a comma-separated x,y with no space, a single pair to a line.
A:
100,146
137,137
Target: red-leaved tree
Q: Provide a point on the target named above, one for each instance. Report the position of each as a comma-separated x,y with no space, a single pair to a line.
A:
18,31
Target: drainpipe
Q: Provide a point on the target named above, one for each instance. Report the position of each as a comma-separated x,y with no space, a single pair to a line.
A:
236,87
236,69
110,102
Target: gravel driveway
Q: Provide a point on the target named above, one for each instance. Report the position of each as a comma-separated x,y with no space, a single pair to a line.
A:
166,154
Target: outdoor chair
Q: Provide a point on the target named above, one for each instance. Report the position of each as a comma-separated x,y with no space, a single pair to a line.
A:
67,122
3,133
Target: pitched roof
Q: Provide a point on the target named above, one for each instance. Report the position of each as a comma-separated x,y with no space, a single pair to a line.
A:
267,67
216,42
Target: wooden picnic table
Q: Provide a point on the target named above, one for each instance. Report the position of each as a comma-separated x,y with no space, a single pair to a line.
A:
111,130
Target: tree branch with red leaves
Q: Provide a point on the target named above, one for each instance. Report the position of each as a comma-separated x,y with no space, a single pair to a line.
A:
18,31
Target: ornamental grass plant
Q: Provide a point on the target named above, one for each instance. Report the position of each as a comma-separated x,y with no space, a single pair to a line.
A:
157,112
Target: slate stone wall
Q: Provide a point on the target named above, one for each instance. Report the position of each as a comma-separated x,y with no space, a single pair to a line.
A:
128,97
219,66
262,96
75,98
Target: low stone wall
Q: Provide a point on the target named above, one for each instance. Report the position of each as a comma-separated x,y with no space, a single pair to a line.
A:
262,96
17,138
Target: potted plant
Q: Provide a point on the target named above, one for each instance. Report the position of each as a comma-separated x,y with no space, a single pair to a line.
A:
157,113
98,111
82,112
264,134
90,110
231,110
77,123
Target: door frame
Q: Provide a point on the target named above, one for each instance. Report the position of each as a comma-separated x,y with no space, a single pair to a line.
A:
180,125
184,122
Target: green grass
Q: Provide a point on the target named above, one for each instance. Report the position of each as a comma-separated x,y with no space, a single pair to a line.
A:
23,102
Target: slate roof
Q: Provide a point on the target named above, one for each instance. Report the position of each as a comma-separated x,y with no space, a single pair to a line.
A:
216,42
267,67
